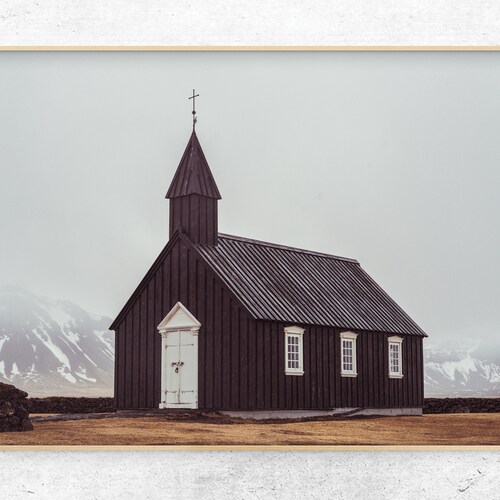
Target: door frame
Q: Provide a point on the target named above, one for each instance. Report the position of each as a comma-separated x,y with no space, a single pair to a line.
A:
178,319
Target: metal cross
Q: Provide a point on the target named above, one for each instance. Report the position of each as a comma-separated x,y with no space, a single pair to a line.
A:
194,96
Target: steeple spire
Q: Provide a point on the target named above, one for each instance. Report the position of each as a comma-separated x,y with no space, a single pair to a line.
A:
193,175
194,108
193,196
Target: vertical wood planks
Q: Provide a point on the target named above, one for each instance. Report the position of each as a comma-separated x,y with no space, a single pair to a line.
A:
226,350
143,337
252,365
235,355
197,215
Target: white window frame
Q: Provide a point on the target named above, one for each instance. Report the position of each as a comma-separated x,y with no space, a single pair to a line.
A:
350,336
295,332
399,342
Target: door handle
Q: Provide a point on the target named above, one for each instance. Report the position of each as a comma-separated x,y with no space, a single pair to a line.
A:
177,364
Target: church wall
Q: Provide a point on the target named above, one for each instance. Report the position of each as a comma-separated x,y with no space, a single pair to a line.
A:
223,373
322,386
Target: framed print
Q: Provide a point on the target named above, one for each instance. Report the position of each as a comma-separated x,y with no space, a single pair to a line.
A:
251,263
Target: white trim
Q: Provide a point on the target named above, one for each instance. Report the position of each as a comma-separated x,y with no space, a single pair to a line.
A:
165,406
195,362
190,323
187,323
348,335
395,340
295,331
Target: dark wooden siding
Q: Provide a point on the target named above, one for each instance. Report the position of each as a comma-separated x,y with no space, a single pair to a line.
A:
198,217
182,276
322,386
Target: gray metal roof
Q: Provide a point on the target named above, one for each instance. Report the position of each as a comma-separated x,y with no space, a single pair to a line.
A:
288,284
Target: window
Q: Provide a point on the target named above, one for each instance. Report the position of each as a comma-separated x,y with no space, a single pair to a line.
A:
293,350
395,357
348,366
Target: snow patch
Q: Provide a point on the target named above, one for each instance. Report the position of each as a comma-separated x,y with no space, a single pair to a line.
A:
464,367
75,348
56,351
67,375
57,314
72,336
109,355
90,360
95,317
42,321
83,375
51,332
101,336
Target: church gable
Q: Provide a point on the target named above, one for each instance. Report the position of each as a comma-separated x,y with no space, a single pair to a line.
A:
154,273
174,276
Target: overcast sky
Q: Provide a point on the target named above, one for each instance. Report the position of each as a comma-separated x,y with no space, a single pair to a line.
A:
392,158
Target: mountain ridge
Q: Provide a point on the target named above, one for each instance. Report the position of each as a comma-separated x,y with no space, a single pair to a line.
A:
54,347
462,368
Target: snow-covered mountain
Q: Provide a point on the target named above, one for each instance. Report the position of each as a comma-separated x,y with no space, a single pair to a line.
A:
462,368
54,348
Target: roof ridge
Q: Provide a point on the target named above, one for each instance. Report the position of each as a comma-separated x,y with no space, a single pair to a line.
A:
286,247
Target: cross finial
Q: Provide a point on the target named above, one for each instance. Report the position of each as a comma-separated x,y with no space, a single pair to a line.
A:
194,96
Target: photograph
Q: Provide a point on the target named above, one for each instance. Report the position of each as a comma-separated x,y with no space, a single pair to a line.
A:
249,249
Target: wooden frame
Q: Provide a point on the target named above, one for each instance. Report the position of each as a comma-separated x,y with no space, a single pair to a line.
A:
296,332
348,336
187,322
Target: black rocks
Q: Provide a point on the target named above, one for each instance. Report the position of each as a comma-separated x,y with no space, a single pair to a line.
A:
14,413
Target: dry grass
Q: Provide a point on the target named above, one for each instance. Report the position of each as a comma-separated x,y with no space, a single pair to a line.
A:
455,429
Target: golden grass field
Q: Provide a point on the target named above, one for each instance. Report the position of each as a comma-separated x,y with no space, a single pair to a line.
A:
448,429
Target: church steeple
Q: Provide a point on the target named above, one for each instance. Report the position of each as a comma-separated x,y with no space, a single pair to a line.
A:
193,196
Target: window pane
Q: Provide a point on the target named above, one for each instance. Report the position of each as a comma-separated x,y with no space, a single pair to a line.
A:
293,347
394,353
347,355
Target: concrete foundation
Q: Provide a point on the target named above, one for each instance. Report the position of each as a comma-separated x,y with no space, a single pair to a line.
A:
339,412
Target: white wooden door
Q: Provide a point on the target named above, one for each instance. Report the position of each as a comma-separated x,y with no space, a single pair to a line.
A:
180,370
179,359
